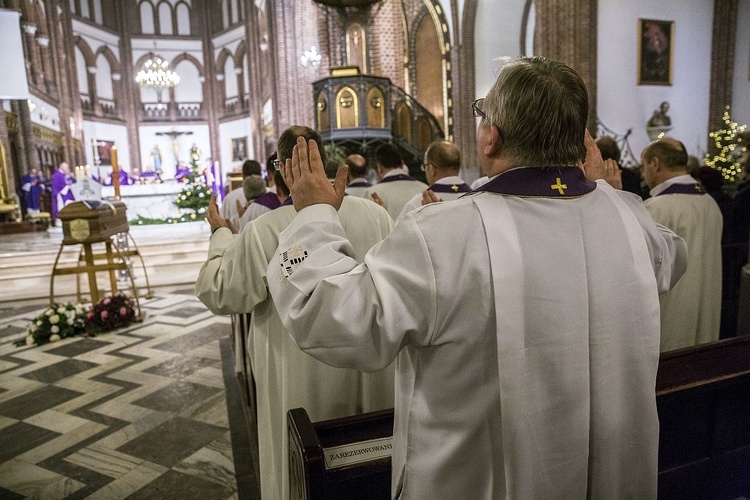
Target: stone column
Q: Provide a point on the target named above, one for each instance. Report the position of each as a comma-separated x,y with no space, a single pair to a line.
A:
722,62
566,30
131,97
255,104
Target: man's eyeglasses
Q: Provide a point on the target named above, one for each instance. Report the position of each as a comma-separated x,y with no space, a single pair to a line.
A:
478,113
277,164
424,166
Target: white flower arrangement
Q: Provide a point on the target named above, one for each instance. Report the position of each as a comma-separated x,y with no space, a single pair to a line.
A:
55,323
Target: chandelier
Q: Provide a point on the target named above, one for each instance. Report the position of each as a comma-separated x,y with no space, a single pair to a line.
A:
311,57
157,75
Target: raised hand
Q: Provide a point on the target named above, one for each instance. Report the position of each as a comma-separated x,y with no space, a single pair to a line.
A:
428,196
214,217
241,208
377,199
593,166
306,178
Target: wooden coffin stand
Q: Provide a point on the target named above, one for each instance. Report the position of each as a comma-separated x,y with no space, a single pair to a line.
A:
703,399
88,223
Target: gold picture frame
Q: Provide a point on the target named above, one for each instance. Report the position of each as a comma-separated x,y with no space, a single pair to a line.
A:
239,149
655,52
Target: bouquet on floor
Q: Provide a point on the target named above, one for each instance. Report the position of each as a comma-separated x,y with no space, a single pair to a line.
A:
114,311
55,323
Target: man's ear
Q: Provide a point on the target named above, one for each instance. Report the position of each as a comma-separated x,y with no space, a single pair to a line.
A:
494,144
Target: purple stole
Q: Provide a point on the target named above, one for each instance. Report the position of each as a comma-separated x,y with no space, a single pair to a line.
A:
268,200
450,188
540,182
683,189
287,202
399,177
60,181
358,184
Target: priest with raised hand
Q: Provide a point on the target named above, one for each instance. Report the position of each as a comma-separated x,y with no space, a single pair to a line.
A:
527,347
233,280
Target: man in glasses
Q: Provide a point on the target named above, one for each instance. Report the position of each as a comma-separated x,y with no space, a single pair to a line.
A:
525,316
442,162
233,281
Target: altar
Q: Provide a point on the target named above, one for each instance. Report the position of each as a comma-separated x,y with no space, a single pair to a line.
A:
155,201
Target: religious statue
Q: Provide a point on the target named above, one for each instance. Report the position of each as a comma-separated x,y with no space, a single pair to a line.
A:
660,118
156,158
660,123
195,154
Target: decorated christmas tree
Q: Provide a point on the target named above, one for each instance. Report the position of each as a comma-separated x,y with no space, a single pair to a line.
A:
196,195
728,147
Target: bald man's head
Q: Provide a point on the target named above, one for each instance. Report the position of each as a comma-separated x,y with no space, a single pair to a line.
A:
670,151
357,166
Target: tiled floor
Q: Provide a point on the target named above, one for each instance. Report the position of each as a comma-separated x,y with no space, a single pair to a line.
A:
141,413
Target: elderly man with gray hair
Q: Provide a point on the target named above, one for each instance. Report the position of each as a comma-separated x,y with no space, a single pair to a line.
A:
691,312
522,372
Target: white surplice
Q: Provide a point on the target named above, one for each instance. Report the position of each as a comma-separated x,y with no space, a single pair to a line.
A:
527,347
395,194
234,280
416,200
691,311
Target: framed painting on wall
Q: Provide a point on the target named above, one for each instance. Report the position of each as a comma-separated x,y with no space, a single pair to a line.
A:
655,52
104,152
239,149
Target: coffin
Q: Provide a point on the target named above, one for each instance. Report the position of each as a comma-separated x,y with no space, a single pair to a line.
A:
92,221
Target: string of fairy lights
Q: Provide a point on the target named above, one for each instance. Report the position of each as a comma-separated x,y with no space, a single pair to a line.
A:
729,149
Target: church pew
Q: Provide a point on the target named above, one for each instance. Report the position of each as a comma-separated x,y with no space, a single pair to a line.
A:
319,454
703,399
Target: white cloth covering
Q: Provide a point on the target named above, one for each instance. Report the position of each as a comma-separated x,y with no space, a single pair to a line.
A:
526,365
416,200
480,182
253,211
395,194
229,205
691,311
357,190
233,280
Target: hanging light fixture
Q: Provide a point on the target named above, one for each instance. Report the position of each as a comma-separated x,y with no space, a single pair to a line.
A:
311,57
157,75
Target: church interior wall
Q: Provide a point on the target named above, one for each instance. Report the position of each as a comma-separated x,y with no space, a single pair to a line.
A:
99,131
497,32
741,81
193,134
622,103
44,114
235,129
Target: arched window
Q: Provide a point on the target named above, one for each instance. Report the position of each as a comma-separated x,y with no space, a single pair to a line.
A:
165,19
85,9
147,18
190,88
230,79
98,11
183,19
347,109
235,12
82,73
429,68
225,13
104,78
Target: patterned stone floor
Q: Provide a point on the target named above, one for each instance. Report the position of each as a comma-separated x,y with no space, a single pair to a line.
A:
140,413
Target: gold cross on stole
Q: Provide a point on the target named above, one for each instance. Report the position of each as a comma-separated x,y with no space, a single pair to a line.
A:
559,186
454,188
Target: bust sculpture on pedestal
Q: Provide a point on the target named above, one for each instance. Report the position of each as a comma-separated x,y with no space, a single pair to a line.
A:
660,123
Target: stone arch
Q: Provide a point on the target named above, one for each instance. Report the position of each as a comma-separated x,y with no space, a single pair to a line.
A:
188,57
179,8
114,63
85,48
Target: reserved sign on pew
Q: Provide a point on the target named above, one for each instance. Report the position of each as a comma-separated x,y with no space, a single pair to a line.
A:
364,451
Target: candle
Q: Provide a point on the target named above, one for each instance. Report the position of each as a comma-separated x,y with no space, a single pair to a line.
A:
115,171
